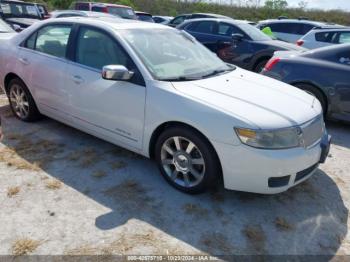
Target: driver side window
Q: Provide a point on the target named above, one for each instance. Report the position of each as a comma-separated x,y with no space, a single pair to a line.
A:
96,49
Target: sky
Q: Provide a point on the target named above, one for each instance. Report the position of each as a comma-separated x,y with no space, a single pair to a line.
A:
324,4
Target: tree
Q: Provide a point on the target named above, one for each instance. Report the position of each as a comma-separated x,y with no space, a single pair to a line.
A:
302,5
276,4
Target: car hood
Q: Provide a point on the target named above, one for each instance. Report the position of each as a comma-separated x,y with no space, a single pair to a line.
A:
259,101
5,36
280,45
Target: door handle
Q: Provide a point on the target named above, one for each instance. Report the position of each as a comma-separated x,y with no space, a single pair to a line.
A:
77,79
24,61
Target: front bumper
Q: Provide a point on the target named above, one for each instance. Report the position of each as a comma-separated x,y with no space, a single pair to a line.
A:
269,171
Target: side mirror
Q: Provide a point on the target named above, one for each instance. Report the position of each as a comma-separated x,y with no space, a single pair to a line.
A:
116,72
237,37
17,28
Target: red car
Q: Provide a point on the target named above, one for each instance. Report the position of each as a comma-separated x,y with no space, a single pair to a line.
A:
120,10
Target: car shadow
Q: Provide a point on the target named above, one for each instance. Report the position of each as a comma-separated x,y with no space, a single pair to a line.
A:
308,219
340,132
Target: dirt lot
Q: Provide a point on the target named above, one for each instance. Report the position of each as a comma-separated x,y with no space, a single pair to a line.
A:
65,192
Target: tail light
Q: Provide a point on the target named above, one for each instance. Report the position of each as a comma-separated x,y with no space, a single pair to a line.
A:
272,62
300,42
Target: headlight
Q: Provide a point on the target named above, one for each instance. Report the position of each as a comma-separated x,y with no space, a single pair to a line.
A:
270,139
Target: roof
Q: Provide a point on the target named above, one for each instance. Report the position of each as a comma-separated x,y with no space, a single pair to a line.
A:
301,21
82,13
112,22
102,4
223,19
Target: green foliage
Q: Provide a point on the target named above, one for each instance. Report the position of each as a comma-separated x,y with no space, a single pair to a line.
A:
276,4
173,7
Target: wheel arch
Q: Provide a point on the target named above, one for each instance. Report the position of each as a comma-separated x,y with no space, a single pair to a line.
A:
324,95
260,59
7,80
162,127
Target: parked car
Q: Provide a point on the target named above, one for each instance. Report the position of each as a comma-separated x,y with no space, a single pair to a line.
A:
235,42
162,19
143,16
76,13
157,91
291,30
324,37
181,18
42,11
324,72
6,31
19,14
123,11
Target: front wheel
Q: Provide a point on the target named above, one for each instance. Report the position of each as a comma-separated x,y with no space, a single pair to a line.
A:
187,160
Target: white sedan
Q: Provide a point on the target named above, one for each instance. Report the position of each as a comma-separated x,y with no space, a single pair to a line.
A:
158,92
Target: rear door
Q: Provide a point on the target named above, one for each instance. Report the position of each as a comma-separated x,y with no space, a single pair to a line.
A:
44,65
205,32
342,80
230,51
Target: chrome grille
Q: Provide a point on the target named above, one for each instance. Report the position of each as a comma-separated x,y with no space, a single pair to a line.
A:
313,131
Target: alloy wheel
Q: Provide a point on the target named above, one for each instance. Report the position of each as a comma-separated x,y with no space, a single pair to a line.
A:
182,161
19,101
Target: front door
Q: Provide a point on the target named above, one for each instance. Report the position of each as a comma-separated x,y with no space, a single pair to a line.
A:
112,109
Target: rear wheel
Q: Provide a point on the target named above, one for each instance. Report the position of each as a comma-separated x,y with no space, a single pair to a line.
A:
187,160
21,101
316,93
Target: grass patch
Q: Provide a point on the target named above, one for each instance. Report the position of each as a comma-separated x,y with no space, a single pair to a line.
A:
115,165
12,191
99,174
193,209
255,236
217,242
29,155
53,184
24,246
283,224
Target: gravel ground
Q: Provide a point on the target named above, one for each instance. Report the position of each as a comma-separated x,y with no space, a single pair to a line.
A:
65,192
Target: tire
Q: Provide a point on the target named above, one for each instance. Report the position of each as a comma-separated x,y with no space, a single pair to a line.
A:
21,101
192,172
316,93
260,66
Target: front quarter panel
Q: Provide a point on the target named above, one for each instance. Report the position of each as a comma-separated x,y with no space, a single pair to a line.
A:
165,104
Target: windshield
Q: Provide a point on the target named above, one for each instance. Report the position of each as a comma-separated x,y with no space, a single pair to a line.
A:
123,12
19,10
5,28
254,33
170,54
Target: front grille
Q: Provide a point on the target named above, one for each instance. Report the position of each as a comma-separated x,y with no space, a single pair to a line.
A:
313,131
304,173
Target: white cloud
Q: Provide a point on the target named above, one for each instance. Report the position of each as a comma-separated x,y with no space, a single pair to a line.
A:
324,4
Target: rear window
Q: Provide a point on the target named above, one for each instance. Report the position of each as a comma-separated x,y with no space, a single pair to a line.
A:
206,27
123,12
290,28
325,37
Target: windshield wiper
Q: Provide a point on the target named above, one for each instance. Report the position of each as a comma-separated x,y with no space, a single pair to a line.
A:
179,79
217,72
